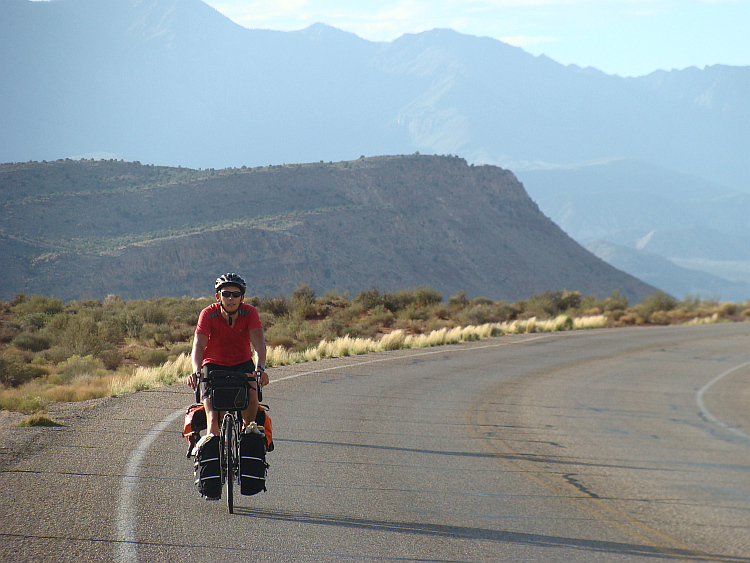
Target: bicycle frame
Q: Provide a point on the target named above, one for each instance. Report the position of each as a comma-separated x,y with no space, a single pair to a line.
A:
229,449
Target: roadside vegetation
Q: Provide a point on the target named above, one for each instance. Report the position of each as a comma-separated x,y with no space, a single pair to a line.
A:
55,351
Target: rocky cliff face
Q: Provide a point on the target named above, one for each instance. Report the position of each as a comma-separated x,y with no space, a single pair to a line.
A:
85,228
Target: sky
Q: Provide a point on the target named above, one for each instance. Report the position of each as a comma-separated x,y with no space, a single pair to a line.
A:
624,37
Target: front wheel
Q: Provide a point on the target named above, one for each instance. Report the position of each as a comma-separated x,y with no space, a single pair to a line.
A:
231,461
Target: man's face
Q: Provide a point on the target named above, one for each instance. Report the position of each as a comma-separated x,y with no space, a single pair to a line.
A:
231,298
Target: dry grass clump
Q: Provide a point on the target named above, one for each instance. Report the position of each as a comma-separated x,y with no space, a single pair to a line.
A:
148,378
399,339
38,420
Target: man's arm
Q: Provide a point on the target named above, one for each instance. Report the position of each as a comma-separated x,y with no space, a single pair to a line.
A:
258,340
199,347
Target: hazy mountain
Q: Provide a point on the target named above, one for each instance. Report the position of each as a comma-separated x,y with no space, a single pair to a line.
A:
174,82
93,228
663,273
684,219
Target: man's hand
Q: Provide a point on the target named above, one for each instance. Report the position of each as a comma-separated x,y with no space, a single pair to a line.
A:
192,380
263,377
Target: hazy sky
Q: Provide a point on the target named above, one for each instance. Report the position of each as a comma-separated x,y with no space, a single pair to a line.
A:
625,37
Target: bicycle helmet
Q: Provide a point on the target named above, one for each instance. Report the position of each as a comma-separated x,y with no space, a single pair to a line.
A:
230,279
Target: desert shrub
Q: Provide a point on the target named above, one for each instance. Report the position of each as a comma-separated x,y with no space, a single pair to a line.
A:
56,326
149,331
425,296
8,331
615,302
17,400
569,300
266,319
551,304
23,305
363,328
113,302
155,312
182,348
281,342
34,321
15,371
458,301
369,298
331,328
442,312
658,301
477,315
380,316
335,298
153,358
133,325
413,313
114,329
690,302
82,335
628,319
307,338
31,342
57,354
422,296
162,335
76,366
284,326
277,306
727,309
182,311
659,318
112,358
303,302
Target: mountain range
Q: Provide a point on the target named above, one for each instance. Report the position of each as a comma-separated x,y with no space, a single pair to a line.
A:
173,82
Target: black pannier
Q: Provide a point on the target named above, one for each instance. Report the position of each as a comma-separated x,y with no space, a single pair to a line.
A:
208,468
229,390
253,464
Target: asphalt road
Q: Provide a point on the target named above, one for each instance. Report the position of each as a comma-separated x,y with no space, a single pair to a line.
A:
606,445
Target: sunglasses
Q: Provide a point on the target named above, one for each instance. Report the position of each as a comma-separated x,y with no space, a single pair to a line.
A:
234,294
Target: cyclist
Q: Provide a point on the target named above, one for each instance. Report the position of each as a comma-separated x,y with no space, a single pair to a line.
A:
226,334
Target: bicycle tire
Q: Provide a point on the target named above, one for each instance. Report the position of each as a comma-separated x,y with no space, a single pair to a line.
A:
231,460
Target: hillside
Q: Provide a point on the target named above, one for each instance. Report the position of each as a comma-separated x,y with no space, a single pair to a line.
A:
89,228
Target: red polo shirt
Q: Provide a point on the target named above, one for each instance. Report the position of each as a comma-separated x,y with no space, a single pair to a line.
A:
227,346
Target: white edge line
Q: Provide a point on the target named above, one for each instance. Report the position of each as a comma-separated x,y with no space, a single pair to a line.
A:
705,412
127,509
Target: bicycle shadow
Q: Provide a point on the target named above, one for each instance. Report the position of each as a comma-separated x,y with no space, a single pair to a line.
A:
477,533
536,458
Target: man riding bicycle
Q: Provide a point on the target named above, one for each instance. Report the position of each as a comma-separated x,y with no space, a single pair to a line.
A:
227,333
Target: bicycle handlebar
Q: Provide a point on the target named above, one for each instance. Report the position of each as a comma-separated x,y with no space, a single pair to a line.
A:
202,376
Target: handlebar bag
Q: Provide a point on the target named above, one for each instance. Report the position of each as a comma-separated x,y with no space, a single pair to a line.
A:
229,390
